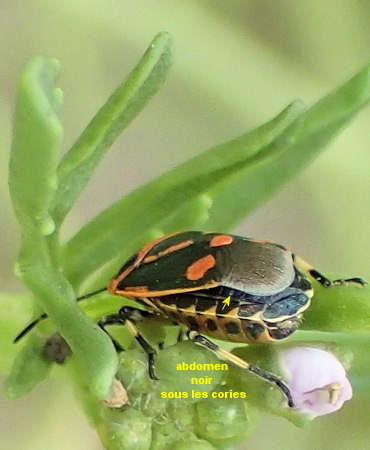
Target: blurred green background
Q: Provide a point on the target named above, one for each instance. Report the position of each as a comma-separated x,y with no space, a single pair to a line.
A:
237,64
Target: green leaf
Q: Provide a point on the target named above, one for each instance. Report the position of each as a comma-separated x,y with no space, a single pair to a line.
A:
359,374
129,430
32,184
241,193
354,339
36,138
92,349
24,377
76,168
157,204
339,308
222,420
15,313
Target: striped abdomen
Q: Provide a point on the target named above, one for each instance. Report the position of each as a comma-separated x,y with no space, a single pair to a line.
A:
248,318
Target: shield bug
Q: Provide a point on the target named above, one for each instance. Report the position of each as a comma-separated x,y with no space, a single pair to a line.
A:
185,277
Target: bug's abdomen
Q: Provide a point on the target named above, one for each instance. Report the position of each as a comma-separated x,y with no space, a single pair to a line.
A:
248,318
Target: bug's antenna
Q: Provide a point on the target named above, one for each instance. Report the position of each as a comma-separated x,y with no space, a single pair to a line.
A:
29,327
91,294
32,325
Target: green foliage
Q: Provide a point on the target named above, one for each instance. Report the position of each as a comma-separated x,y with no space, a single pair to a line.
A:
131,430
222,422
349,306
33,165
212,191
24,377
76,168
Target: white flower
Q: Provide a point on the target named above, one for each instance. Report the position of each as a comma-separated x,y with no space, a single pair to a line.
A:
317,380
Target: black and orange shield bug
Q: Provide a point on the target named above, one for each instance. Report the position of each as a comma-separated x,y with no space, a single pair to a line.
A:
185,277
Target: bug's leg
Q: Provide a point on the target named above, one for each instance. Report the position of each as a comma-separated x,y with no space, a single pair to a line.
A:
235,360
130,316
322,279
112,319
127,316
29,327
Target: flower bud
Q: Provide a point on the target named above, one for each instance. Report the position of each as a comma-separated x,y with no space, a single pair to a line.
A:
316,378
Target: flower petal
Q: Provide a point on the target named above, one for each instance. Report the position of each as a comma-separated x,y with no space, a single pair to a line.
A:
317,380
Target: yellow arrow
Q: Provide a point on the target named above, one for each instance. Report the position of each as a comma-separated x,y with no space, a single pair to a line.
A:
226,302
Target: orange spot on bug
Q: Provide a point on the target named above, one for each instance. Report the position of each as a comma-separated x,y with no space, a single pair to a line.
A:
199,268
167,251
223,239
138,289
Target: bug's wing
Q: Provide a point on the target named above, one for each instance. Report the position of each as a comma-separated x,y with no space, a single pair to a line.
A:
193,260
259,268
176,263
